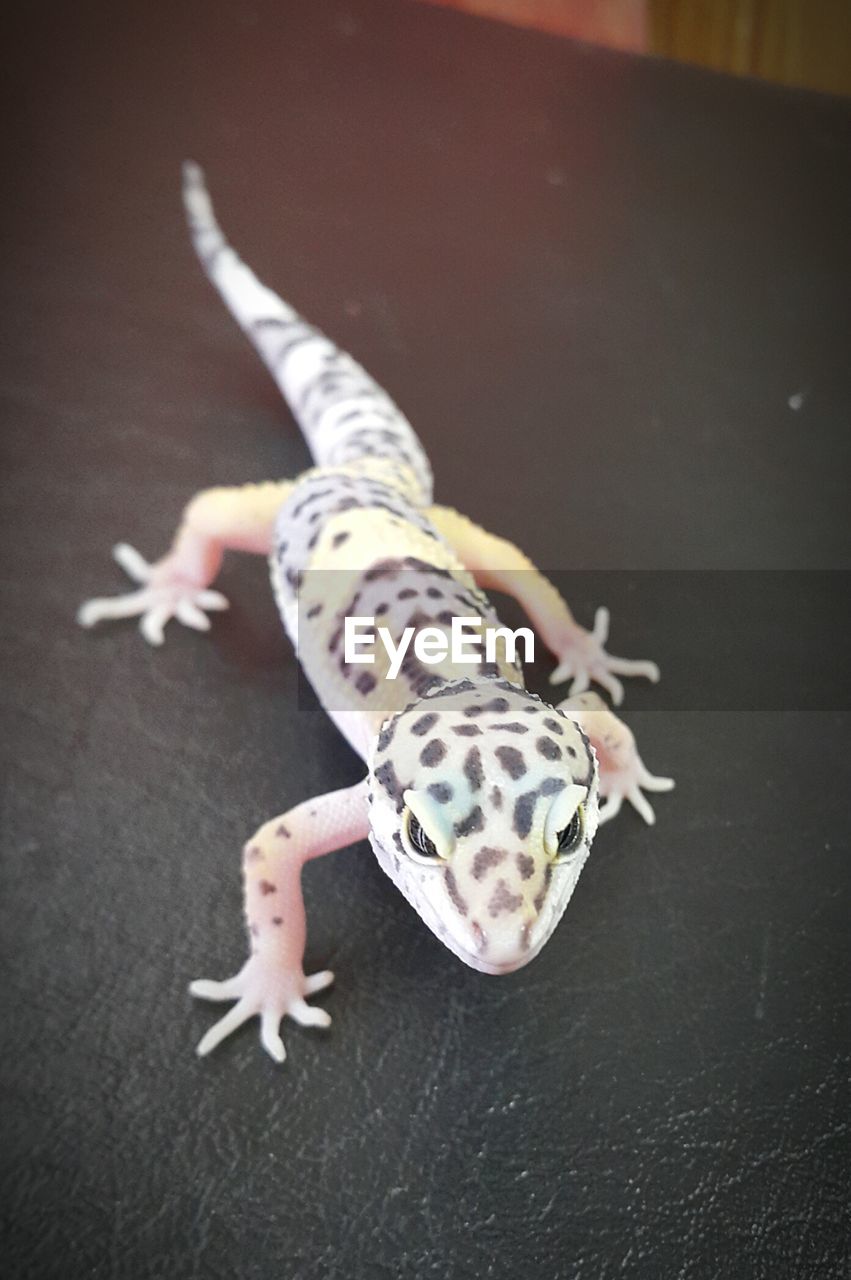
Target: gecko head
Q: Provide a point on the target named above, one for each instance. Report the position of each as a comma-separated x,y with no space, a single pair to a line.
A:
483,808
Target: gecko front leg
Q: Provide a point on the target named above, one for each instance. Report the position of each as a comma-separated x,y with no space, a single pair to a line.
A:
178,585
272,982
623,773
581,655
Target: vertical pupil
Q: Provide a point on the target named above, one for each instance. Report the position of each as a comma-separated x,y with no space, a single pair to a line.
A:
420,840
568,836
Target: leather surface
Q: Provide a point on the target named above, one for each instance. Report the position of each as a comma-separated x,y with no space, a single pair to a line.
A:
593,283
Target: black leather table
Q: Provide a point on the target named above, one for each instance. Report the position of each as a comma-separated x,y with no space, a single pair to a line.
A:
611,294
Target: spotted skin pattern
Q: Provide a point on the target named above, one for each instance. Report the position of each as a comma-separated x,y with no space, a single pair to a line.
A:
499,894
480,801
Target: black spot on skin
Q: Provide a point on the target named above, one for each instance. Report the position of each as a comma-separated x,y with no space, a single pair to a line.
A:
435,593
548,875
315,611
485,859
432,753
294,578
550,786
531,711
511,760
381,608
340,538
474,709
254,853
365,683
441,792
424,723
589,777
496,798
445,616
385,774
463,686
467,730
413,563
314,496
407,593
524,811
473,771
386,735
554,727
571,751
397,840
452,889
502,900
512,727
525,865
283,832
384,568
335,639
548,749
312,541
277,920
473,822
498,705
266,887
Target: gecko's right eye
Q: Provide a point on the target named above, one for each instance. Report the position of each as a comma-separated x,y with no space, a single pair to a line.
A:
420,845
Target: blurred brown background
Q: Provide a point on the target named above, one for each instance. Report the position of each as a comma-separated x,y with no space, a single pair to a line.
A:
795,42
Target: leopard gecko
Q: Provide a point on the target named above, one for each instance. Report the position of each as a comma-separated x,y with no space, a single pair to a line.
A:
480,800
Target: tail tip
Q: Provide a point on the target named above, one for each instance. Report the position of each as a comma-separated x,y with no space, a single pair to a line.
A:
193,174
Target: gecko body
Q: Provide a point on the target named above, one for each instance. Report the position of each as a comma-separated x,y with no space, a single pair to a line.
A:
480,800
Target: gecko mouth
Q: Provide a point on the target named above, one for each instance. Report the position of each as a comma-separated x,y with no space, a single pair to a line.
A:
478,960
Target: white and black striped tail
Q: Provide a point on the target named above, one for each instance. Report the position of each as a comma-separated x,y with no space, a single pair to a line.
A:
344,415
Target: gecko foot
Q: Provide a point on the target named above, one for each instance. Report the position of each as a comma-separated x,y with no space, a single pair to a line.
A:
163,594
583,658
623,774
268,988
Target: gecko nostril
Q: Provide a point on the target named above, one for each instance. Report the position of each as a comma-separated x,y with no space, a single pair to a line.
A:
526,935
479,935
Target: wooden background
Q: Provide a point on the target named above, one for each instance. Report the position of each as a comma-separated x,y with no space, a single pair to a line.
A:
794,42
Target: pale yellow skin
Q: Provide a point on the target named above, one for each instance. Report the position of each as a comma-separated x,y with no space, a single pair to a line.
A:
179,585
273,982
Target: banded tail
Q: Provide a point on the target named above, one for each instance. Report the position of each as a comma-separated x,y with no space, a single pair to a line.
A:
344,415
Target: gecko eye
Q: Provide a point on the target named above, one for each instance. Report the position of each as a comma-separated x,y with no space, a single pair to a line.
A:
564,827
421,847
570,838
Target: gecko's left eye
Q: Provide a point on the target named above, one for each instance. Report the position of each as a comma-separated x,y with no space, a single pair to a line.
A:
420,844
564,828
571,837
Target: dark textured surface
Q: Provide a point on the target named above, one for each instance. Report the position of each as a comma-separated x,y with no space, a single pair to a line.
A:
593,283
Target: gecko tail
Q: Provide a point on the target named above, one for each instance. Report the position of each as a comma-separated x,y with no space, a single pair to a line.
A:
344,415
